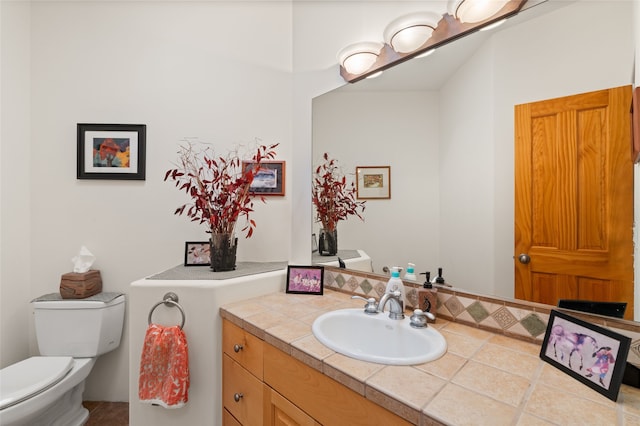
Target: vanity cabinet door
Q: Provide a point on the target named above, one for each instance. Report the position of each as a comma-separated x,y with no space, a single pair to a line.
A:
228,419
281,412
242,393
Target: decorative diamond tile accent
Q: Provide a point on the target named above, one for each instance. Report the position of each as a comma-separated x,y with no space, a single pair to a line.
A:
366,286
477,311
329,279
534,325
504,317
340,280
465,301
352,283
454,306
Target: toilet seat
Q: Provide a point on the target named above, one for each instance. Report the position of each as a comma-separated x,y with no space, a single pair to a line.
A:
31,376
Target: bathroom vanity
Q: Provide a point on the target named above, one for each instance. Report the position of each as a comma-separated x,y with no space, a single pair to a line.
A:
274,368
262,385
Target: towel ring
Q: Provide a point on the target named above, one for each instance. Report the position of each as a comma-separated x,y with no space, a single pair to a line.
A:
171,300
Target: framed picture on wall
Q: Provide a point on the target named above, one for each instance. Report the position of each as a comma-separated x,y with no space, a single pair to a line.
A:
269,180
373,182
111,151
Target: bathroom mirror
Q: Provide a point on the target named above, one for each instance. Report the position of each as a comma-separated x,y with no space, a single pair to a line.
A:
444,125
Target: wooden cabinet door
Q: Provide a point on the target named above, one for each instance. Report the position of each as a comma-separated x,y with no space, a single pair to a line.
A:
281,412
574,199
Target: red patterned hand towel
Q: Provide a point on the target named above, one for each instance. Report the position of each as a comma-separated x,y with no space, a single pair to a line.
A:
164,367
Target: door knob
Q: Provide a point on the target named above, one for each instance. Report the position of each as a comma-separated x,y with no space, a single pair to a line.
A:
524,258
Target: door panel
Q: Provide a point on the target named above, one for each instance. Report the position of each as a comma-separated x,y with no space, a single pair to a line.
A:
574,198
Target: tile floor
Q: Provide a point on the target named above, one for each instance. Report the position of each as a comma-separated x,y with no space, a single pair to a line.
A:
107,413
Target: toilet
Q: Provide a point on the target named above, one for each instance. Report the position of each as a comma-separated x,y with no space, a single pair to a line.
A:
71,334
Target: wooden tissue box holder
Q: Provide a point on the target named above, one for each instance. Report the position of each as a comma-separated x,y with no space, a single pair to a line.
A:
80,285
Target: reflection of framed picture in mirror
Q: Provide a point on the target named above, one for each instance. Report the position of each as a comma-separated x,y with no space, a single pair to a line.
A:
269,180
373,182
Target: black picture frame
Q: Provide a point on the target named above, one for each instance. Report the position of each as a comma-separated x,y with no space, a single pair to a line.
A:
578,348
305,279
111,151
197,253
275,182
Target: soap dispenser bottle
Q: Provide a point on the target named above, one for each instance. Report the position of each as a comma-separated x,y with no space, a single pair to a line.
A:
427,295
396,284
410,275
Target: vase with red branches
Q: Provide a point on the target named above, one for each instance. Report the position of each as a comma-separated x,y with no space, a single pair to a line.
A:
219,187
334,199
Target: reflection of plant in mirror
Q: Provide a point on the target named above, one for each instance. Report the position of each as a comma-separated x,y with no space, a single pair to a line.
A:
334,199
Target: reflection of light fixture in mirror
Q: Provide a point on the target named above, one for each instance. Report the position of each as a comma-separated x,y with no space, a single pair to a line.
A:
475,10
407,33
425,54
359,57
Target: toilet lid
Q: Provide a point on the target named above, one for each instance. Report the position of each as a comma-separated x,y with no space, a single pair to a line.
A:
24,379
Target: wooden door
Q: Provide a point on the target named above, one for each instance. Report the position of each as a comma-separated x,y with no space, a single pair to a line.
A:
574,199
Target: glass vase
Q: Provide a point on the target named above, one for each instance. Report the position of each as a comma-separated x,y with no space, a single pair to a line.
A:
223,252
328,242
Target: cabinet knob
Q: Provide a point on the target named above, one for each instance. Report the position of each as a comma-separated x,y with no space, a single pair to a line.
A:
237,397
237,348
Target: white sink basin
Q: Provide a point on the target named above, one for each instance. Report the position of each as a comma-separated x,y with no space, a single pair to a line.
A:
377,338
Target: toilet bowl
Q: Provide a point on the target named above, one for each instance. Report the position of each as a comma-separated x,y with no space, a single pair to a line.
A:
47,389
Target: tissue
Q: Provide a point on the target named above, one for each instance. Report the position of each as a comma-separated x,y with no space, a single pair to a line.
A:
83,260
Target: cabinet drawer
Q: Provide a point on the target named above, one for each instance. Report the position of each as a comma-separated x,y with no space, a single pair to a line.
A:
242,347
242,393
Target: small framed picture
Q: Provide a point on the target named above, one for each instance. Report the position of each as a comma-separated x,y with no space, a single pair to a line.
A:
269,180
197,253
373,182
593,355
305,279
111,151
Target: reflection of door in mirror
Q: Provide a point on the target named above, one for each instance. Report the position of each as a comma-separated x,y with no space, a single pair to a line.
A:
574,199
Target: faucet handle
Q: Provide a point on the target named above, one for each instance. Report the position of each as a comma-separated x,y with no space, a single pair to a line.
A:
419,318
371,307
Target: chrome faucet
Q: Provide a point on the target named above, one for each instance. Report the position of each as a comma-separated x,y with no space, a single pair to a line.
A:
396,306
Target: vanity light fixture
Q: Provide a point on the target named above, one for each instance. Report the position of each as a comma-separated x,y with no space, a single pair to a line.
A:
359,57
408,32
475,10
375,74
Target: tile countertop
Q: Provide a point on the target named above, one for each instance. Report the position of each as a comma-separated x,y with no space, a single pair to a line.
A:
483,379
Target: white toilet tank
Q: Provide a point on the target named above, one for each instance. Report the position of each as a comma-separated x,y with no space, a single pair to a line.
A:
78,327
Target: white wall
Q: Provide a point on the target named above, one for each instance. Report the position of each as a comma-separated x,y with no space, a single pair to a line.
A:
15,181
